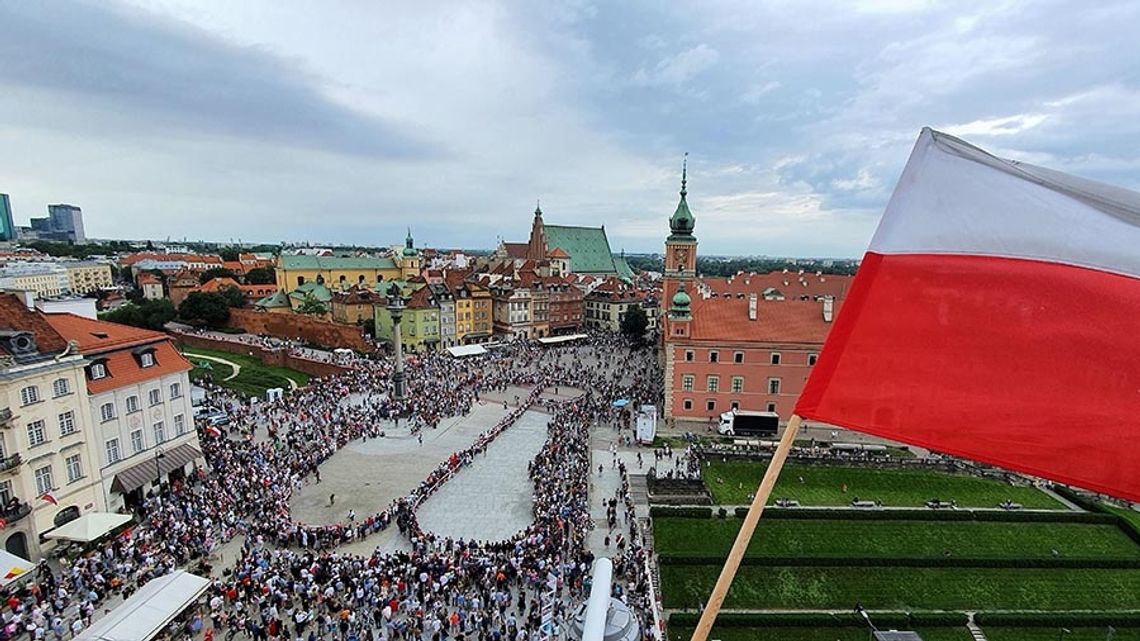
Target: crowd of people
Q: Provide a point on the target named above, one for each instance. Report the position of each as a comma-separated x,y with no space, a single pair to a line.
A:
289,581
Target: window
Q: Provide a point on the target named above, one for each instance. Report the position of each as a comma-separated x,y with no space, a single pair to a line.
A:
137,443
738,357
74,469
175,390
5,491
737,384
713,383
107,411
67,423
159,432
775,358
132,404
710,405
735,405
146,359
37,435
61,387
773,386
29,395
43,480
689,355
98,371
155,396
688,403
687,382
812,358
300,281
113,454
179,424
714,357
771,407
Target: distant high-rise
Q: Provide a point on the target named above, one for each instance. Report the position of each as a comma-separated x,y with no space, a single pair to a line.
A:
67,220
7,225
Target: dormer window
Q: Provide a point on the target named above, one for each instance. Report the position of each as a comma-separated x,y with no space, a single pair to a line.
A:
97,371
147,359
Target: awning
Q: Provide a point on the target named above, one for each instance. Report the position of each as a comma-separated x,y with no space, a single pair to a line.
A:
89,527
149,610
13,567
555,340
466,350
145,471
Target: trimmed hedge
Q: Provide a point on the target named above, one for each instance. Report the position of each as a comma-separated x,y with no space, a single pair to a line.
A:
1076,498
907,562
1129,618
820,619
685,512
1045,516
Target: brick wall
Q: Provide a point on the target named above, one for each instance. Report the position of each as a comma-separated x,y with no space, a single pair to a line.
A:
271,357
307,328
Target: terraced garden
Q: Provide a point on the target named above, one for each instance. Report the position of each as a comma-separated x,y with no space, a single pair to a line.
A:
254,377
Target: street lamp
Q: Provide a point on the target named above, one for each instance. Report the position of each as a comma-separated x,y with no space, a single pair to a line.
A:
159,454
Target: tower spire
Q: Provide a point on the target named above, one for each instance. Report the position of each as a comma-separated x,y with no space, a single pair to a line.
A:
684,175
538,207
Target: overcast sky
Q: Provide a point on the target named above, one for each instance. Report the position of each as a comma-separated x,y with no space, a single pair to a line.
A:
348,121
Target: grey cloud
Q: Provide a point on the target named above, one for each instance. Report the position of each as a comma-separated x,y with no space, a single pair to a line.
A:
161,74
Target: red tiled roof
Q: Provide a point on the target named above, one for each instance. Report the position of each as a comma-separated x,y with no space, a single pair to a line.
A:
235,266
114,342
787,321
516,250
557,253
420,299
147,278
189,258
15,315
806,284
356,296
95,336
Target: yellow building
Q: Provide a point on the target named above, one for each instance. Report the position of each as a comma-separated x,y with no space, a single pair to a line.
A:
45,279
473,320
336,272
84,276
49,472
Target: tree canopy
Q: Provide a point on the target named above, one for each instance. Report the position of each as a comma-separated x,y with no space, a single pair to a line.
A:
635,322
310,305
260,276
215,272
205,308
148,314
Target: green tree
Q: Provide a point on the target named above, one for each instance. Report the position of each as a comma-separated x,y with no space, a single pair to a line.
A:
635,322
205,308
310,305
233,296
260,276
215,272
150,314
228,253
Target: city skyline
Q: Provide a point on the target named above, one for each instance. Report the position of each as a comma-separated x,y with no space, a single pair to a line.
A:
182,120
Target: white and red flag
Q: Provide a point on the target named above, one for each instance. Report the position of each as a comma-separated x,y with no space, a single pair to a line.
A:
995,316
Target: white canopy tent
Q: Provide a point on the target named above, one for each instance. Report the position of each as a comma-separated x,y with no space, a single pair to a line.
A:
88,527
558,340
459,351
148,611
13,567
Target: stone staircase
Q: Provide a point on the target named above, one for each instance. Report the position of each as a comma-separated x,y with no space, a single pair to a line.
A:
975,631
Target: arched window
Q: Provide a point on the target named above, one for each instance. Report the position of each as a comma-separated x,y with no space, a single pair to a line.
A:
66,515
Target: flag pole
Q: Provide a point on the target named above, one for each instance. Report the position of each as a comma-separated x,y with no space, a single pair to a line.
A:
732,563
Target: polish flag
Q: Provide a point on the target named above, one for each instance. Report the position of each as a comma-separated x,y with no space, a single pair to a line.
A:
50,498
996,317
213,431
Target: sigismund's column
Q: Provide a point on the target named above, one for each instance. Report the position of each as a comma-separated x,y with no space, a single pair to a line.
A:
396,309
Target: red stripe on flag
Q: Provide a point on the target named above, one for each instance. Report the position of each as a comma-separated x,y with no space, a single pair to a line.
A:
1028,365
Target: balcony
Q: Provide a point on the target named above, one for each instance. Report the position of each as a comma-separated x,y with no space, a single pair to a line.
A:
6,417
14,511
10,462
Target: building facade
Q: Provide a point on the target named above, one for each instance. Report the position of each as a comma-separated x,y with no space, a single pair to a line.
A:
138,392
47,474
86,276
8,230
45,279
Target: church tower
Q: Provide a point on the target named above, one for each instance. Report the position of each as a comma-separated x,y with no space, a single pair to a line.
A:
681,245
409,258
536,249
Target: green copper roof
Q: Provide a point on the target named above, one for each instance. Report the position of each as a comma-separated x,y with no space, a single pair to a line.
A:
681,304
682,221
336,262
588,247
319,292
278,299
624,271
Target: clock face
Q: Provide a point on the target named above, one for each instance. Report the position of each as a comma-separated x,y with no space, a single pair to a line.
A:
681,254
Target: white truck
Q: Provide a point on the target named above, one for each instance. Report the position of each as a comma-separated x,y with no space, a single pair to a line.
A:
748,423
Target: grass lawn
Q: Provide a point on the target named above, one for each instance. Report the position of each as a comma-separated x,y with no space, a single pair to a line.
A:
817,634
903,588
732,482
254,377
1051,634
1132,516
209,370
894,539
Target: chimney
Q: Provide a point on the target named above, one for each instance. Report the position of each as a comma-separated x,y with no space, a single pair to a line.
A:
752,307
827,307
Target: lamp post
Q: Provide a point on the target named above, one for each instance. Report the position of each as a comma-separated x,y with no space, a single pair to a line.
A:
159,454
396,310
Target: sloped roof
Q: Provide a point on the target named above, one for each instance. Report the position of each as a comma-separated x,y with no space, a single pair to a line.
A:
516,250
791,321
15,315
421,299
277,300
336,262
791,284
557,253
317,290
96,336
588,247
622,267
356,296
